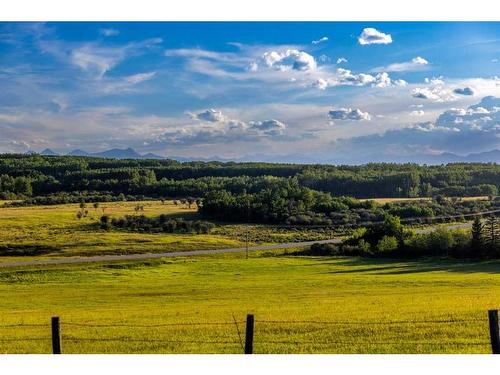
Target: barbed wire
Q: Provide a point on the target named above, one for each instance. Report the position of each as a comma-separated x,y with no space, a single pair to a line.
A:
180,324
481,343
394,322
148,325
19,339
24,325
127,339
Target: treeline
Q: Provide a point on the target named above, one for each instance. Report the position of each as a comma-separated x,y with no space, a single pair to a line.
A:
35,175
162,223
390,239
287,202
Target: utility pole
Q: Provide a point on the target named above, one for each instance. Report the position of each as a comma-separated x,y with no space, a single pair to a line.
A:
246,244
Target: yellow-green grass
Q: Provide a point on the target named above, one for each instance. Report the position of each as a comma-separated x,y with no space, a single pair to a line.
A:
153,307
58,228
390,200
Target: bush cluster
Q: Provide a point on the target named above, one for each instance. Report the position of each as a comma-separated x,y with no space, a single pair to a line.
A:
162,223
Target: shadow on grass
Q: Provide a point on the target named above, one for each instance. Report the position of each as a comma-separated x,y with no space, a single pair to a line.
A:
405,266
26,250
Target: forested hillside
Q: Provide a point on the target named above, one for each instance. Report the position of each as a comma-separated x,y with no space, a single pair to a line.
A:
36,175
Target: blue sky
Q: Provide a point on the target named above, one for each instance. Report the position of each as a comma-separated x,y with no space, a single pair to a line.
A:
309,91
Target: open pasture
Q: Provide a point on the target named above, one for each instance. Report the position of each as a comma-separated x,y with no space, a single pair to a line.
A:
301,305
57,231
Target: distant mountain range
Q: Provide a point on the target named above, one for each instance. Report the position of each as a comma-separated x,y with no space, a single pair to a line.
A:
492,156
115,153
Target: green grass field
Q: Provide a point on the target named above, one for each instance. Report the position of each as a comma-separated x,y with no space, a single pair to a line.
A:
190,305
57,229
155,307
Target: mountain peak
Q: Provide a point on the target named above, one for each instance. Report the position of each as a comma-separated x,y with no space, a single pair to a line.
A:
48,152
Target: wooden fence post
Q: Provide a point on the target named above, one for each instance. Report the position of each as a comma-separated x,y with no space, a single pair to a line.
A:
249,335
56,335
494,331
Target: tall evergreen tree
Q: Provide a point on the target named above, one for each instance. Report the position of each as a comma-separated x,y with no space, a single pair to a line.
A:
477,235
492,231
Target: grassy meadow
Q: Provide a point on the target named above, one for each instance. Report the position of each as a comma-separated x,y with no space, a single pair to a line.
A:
57,230
301,305
198,304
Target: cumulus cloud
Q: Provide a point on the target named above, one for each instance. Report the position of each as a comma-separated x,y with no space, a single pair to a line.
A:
434,80
210,115
108,32
400,82
218,128
464,91
415,64
320,40
436,94
341,60
373,36
349,114
222,132
290,59
268,127
320,84
346,77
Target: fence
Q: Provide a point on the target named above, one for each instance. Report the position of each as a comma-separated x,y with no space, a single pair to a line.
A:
246,343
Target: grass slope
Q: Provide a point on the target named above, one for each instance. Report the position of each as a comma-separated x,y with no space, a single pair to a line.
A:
58,229
55,231
147,300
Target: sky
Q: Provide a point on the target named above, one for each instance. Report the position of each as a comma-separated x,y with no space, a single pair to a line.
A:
294,91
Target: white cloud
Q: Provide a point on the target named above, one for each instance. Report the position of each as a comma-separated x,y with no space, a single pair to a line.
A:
95,59
341,60
417,113
268,127
108,32
324,58
226,125
373,36
436,94
124,84
400,82
416,64
221,133
290,59
434,80
457,130
349,114
320,84
210,115
320,40
252,67
346,77
464,91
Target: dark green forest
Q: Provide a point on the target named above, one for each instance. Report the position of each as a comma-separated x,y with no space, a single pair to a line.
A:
36,175
291,194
